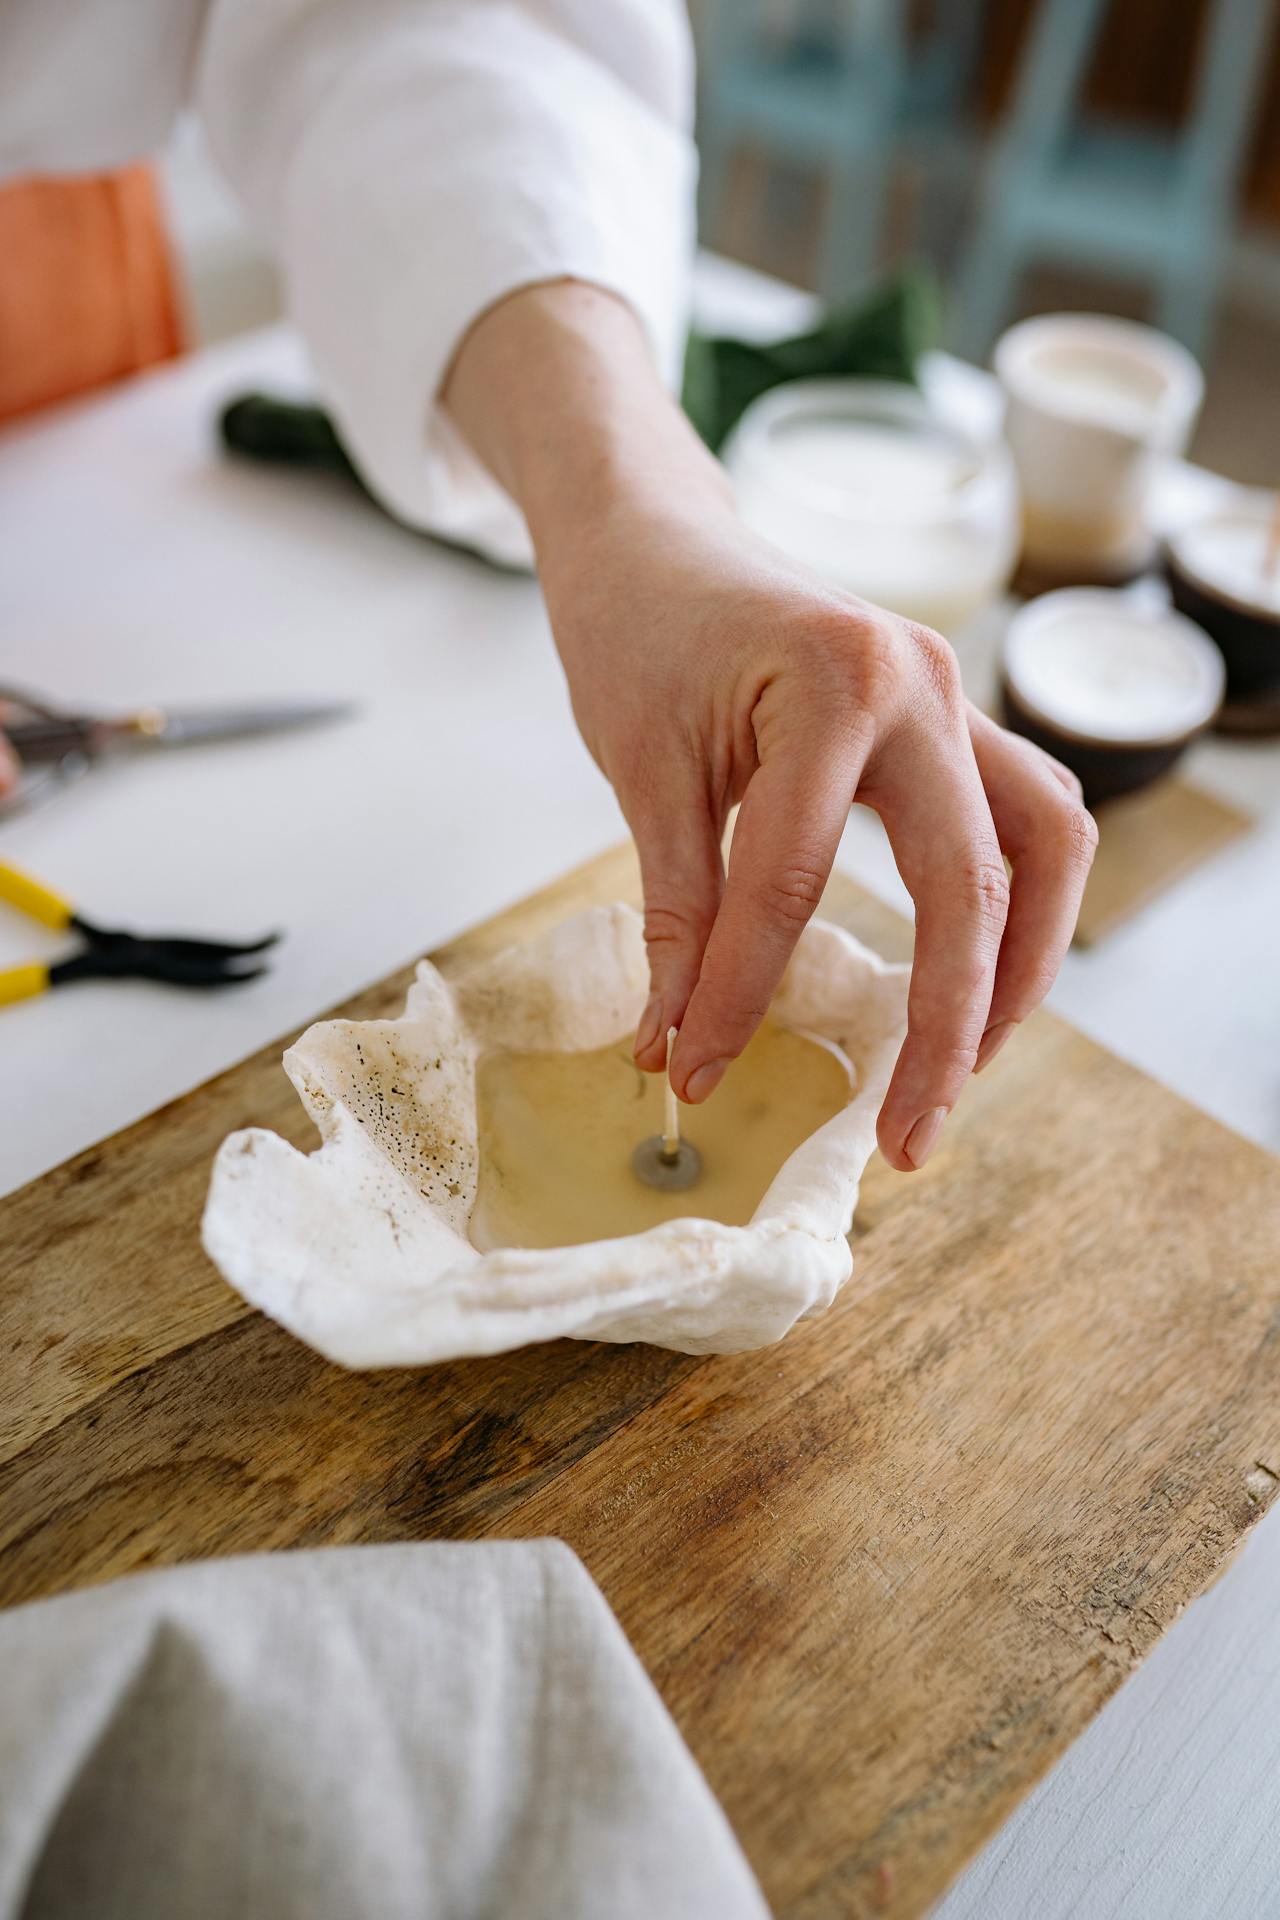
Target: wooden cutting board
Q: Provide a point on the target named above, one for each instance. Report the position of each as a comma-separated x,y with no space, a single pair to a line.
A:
882,1573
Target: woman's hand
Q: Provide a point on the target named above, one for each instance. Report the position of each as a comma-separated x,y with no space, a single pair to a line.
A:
706,669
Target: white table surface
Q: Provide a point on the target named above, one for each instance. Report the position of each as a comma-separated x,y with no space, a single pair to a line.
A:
135,566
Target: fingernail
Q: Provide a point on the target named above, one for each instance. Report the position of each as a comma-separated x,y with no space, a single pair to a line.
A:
650,1021
923,1137
991,1042
705,1080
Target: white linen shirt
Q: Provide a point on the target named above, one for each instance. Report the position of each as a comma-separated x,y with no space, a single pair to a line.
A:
409,162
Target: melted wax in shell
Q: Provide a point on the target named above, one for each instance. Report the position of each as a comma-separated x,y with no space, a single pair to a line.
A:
557,1131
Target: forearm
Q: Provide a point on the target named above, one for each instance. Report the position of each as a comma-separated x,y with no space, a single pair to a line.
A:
556,391
412,163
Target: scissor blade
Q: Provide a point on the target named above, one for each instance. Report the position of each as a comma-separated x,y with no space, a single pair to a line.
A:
183,727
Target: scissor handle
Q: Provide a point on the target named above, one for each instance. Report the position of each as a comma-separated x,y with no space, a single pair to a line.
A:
40,734
42,742
54,747
11,696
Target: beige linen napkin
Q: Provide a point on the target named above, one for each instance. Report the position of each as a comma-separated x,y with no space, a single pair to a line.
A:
442,1730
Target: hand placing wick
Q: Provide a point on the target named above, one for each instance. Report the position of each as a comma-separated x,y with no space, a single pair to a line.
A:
665,1161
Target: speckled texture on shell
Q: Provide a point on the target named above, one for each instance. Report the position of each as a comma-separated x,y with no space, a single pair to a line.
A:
361,1247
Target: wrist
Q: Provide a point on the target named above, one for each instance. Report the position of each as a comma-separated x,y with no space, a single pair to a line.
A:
556,390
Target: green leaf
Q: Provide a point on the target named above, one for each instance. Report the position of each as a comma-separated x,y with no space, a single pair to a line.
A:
878,337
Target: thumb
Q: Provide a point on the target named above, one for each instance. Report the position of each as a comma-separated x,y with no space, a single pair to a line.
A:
682,874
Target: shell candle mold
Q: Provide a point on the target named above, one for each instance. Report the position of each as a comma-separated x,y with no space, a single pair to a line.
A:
868,485
407,1237
1092,405
1224,573
1114,688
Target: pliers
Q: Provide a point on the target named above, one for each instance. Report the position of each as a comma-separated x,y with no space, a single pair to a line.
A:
108,954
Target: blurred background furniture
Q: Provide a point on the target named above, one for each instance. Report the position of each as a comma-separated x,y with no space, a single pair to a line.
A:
88,292
1091,191
844,86
841,136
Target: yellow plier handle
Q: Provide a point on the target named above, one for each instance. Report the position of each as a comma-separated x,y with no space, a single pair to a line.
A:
112,954
38,902
23,983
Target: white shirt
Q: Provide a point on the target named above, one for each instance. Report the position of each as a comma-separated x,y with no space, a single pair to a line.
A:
410,162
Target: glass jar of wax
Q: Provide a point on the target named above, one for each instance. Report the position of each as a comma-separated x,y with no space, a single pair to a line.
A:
1114,686
871,487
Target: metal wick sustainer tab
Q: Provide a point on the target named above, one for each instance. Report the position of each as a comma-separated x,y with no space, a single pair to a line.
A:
664,1160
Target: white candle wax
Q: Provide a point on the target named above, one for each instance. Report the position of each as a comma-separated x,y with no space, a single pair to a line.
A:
880,464
1230,556
1091,404
1094,664
862,482
1098,383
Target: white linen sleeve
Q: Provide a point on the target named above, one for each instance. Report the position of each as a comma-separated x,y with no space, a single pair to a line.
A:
413,161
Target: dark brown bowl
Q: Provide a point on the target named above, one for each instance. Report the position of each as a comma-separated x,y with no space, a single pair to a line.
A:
1104,768
1111,748
1247,635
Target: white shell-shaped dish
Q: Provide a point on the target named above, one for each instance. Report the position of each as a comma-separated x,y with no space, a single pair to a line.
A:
361,1247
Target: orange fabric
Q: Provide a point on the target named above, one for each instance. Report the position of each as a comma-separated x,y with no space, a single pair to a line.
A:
87,287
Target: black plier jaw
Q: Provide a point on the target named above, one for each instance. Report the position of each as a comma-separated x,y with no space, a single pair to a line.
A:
111,954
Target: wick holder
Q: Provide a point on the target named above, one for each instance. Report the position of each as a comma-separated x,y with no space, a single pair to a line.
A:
665,1161
670,1170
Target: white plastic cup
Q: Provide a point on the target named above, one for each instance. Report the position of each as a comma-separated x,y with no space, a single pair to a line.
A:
1092,406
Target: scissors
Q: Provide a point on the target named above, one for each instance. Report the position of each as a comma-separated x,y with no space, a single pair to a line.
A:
56,747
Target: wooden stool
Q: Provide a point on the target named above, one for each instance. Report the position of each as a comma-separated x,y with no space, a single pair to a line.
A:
840,92
1110,196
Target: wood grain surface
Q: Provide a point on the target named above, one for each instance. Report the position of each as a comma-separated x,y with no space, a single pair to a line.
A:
1147,842
882,1573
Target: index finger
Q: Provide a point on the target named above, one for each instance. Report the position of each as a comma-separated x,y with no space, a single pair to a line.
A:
789,826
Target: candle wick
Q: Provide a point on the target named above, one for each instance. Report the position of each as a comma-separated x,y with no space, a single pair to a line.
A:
671,1109
664,1160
